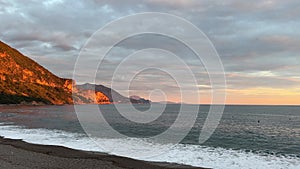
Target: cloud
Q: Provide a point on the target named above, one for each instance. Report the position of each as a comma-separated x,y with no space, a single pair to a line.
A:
254,39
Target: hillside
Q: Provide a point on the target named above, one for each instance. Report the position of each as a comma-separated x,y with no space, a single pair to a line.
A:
24,81
113,96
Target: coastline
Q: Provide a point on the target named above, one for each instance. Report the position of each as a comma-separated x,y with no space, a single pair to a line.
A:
17,154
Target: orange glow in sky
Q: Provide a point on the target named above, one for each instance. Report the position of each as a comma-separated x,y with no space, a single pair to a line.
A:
253,96
264,96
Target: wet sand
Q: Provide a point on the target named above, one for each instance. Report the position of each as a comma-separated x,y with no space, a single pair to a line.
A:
17,154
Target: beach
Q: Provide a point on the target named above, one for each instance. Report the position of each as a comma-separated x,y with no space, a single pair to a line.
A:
17,154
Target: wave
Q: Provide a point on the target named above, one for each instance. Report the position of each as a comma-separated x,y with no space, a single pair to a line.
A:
139,149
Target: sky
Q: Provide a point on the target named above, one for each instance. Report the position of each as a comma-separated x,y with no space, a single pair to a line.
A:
258,43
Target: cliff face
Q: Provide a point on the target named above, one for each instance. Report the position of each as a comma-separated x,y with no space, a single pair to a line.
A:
24,80
112,95
90,97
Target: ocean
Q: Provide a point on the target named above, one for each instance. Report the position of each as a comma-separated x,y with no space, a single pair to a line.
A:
246,137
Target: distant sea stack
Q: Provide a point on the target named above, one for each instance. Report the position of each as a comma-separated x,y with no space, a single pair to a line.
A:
23,81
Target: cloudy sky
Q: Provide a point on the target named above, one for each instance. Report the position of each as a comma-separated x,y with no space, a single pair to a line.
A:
258,43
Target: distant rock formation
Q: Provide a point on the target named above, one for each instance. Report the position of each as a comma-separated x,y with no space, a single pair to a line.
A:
112,95
139,100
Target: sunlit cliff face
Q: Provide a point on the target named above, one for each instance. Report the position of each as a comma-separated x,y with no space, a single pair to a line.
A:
69,84
101,98
23,79
91,97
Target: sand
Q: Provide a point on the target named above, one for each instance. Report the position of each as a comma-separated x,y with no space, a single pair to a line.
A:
17,154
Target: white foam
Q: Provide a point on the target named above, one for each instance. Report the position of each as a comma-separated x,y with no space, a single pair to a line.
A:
185,154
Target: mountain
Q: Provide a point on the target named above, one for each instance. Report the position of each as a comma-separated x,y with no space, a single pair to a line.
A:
22,80
138,100
113,96
25,81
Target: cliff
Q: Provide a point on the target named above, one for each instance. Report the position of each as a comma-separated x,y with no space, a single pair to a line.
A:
24,81
112,95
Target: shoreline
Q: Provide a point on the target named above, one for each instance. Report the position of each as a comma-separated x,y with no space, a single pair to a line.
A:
18,154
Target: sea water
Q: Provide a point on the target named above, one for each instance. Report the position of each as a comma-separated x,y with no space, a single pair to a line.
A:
246,137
